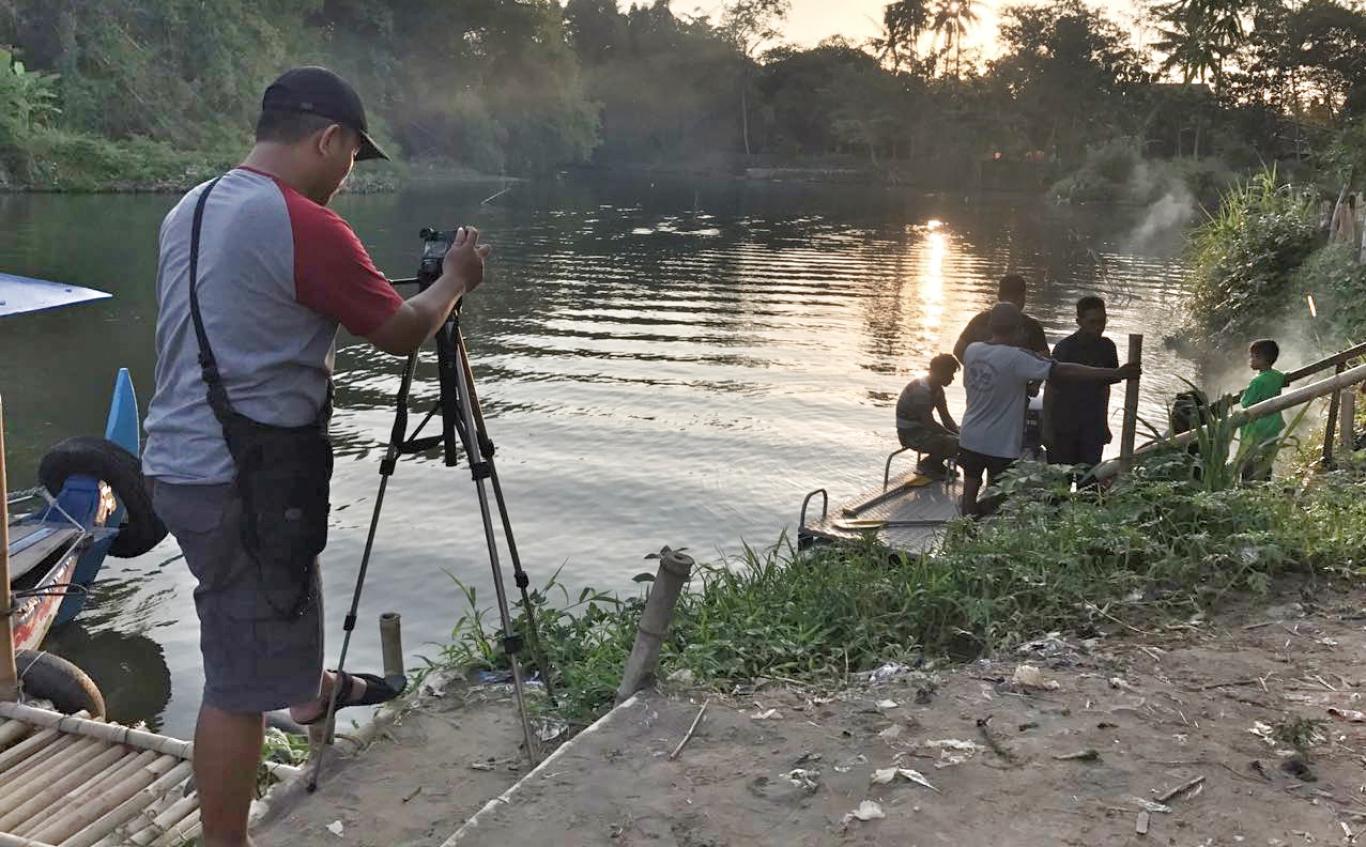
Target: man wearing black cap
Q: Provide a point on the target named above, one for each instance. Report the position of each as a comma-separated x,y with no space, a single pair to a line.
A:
255,276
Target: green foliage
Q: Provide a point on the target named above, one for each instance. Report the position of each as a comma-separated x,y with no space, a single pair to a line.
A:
1157,543
1337,280
1244,257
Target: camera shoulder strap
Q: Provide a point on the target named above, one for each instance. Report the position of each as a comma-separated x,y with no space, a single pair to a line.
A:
208,365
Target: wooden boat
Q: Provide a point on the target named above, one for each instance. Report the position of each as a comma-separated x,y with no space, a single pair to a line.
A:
92,503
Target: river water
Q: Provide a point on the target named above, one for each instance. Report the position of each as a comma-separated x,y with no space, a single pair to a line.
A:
660,363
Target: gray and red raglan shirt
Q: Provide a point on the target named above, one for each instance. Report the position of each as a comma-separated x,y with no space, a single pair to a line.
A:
278,274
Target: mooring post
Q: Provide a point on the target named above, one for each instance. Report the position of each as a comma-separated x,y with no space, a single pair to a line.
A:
9,673
1331,428
674,570
391,646
1348,427
1130,431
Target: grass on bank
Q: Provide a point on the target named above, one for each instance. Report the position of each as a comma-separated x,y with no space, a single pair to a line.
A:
1158,544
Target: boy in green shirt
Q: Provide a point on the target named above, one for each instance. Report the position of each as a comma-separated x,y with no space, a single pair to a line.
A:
1268,383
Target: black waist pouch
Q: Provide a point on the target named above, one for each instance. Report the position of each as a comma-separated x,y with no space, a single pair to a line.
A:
283,479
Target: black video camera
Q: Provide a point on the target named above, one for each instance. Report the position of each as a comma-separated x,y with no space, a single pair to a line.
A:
435,244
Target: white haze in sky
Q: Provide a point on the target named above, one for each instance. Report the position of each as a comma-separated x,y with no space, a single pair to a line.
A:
812,21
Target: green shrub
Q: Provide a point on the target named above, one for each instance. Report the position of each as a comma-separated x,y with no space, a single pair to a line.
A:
1338,282
1244,258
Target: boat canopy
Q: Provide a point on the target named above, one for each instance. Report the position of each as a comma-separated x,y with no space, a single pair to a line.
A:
21,295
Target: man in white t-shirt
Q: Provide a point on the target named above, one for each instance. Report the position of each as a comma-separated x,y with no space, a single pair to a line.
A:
997,375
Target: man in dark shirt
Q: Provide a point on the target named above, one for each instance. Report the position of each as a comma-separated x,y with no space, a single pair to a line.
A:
1076,414
1012,289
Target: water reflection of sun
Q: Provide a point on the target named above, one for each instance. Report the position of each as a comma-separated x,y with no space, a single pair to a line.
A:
929,288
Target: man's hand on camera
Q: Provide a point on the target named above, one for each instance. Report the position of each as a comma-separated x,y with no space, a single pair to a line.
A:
465,259
420,315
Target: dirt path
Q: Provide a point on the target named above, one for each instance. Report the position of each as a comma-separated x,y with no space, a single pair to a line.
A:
1130,719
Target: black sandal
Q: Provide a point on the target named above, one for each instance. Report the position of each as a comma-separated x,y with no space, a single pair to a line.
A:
377,690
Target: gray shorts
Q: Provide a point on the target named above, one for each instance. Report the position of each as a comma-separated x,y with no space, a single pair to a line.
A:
257,658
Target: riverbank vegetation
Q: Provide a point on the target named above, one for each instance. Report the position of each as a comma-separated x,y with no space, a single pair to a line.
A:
154,93
1163,544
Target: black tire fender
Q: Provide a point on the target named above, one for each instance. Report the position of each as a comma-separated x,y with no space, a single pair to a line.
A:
45,676
120,470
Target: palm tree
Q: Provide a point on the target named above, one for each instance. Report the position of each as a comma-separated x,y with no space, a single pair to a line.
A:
1199,36
903,22
952,19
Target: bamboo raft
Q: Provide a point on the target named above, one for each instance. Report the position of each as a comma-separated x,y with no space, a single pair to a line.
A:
67,781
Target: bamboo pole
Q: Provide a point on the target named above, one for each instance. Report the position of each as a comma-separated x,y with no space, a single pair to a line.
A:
68,804
7,840
109,801
35,782
1348,427
1130,430
1288,400
127,810
40,759
9,672
674,570
12,731
391,644
181,833
82,750
110,732
49,796
32,745
148,827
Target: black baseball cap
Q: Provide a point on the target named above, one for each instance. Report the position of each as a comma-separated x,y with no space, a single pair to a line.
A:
318,91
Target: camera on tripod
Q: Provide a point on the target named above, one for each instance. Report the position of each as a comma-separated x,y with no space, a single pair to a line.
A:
436,243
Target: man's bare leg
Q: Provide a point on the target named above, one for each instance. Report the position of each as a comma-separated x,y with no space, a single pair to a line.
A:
227,752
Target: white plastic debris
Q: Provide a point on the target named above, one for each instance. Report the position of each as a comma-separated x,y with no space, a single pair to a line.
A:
1029,677
866,811
1264,732
803,778
886,704
336,828
1150,806
953,751
889,670
1120,684
549,730
882,776
1351,715
1050,646
891,733
767,715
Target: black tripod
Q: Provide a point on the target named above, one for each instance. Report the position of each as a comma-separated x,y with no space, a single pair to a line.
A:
462,419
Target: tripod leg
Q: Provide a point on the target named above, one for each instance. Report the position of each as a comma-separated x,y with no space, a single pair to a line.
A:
451,352
519,574
386,470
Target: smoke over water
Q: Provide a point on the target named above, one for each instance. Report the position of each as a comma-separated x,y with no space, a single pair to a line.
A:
1170,205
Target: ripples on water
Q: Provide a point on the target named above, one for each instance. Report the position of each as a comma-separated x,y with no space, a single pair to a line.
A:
660,364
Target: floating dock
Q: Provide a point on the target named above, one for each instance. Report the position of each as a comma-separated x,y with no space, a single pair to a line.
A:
907,512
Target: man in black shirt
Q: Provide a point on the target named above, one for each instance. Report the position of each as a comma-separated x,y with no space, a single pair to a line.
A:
1076,414
1012,289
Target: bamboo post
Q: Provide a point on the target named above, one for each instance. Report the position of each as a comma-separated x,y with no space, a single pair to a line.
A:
1288,400
391,645
1130,431
1348,428
182,833
9,672
11,731
1330,430
674,570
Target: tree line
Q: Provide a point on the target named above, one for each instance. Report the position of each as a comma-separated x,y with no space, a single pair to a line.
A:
527,86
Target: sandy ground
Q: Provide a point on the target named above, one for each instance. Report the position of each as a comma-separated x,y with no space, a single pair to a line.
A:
417,782
1130,719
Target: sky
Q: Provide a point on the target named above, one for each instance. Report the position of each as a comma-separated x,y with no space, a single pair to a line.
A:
812,21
